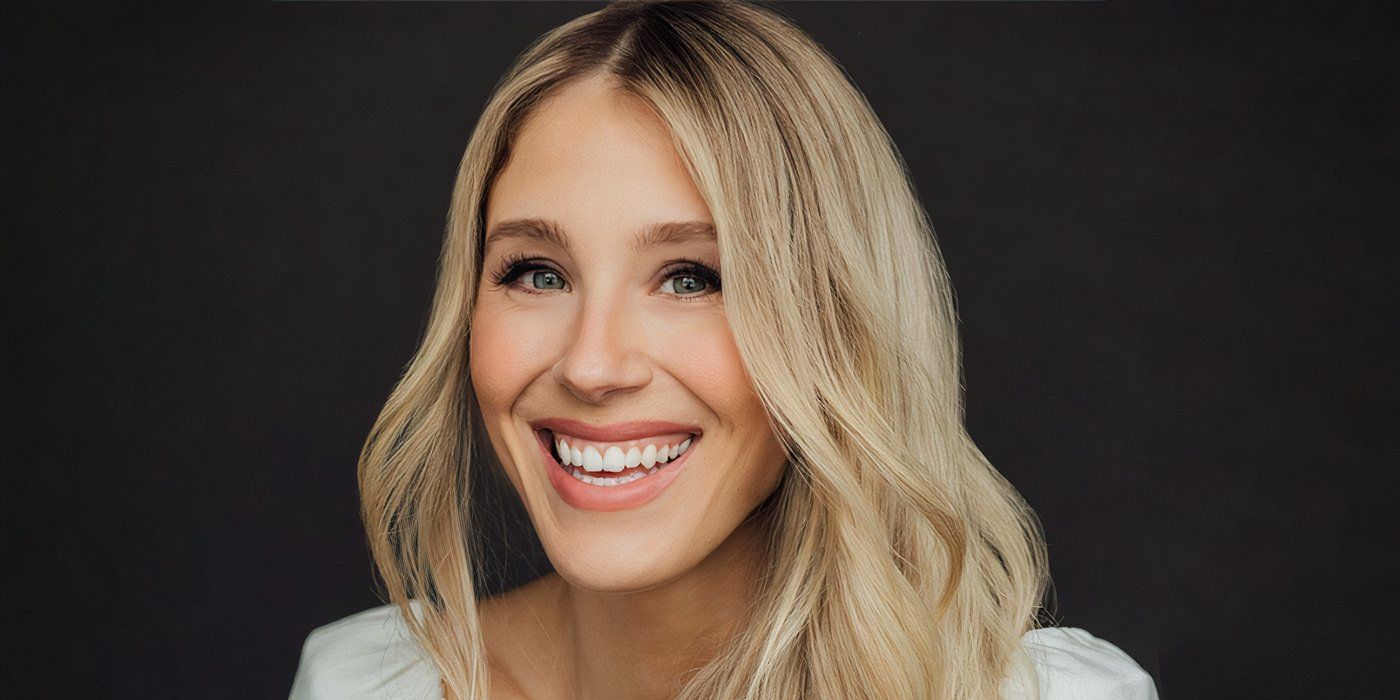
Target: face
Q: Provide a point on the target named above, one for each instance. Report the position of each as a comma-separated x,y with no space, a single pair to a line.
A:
614,344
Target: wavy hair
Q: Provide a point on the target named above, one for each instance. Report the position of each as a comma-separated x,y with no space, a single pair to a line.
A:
903,564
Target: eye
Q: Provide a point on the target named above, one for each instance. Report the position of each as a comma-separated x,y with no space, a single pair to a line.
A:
515,266
690,280
544,278
691,277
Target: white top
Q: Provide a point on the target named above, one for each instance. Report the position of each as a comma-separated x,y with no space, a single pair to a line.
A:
372,654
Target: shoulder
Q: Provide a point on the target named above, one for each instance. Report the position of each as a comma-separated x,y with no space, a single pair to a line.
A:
1072,664
370,654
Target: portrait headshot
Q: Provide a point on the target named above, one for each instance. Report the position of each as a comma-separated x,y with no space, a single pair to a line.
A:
689,308
697,349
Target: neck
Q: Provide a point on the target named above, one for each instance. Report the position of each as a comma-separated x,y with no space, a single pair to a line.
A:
646,644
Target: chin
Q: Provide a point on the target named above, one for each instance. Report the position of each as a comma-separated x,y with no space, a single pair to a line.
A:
617,567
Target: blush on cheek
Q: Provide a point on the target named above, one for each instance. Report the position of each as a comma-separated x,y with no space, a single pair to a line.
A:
497,370
512,342
493,386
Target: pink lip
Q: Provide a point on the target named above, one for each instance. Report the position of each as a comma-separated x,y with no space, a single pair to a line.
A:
615,432
611,498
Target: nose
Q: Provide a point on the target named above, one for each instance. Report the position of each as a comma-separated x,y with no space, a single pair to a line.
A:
604,352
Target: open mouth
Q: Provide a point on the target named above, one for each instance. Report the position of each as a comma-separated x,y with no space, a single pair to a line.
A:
615,464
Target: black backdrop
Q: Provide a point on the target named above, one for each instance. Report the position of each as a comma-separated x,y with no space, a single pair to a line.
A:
1164,226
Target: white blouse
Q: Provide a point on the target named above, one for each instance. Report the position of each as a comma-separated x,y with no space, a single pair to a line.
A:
372,654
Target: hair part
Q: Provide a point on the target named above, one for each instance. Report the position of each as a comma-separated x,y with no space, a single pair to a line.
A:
904,565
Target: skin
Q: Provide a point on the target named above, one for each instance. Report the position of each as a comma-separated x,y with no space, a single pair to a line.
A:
639,597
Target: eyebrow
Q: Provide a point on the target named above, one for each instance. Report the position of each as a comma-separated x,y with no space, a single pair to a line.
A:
650,236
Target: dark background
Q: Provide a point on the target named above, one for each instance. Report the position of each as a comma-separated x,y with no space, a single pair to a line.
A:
1168,228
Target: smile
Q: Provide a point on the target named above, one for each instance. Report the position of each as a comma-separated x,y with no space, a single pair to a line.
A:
630,460
613,475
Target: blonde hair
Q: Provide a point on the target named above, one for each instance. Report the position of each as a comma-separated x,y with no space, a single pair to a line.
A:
903,564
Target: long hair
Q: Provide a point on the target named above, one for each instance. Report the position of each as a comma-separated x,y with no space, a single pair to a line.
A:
903,565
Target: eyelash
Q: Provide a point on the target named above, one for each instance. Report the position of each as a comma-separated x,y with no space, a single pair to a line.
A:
516,264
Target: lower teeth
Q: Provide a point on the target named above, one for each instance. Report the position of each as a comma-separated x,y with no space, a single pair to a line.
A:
612,480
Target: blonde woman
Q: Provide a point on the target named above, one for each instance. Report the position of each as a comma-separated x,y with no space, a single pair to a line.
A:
690,310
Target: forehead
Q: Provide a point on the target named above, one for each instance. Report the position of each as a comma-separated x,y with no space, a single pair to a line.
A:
598,163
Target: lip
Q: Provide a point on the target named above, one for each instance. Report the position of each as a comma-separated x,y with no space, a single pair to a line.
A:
614,432
606,499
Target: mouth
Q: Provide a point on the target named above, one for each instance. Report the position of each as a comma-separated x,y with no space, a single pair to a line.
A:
614,466
617,486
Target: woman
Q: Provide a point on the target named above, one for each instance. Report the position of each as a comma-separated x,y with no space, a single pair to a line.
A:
751,485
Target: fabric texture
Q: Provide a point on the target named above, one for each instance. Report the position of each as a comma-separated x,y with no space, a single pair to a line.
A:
372,654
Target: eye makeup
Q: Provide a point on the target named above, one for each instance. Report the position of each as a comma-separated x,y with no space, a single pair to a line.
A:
515,265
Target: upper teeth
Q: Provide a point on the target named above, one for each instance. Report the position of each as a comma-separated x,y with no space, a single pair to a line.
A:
614,458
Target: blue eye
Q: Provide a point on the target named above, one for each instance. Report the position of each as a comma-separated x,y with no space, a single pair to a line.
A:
516,265
694,279
545,276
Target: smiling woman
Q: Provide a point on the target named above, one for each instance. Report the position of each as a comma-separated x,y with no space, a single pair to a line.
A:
626,274
690,309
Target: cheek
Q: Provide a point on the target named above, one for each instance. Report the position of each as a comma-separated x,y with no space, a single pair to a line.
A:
712,367
702,355
502,354
499,352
